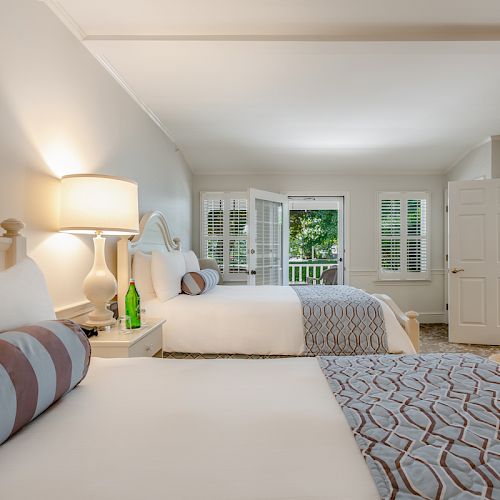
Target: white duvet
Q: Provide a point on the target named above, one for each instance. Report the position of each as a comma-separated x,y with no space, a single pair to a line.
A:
246,320
231,429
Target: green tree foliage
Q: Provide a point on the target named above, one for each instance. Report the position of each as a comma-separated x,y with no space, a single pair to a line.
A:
313,228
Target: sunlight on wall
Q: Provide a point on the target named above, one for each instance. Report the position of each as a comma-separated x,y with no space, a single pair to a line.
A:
62,158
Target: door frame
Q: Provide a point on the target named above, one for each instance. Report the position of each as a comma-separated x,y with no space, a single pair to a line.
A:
485,267
346,227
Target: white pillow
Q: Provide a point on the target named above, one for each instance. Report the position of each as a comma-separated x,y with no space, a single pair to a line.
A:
167,270
192,262
141,272
24,297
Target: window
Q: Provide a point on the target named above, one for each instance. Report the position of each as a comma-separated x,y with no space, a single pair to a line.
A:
224,232
404,236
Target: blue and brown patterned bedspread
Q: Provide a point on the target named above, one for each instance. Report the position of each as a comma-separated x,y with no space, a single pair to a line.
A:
428,426
341,321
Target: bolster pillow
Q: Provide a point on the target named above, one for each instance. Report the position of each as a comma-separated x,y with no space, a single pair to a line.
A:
199,282
39,363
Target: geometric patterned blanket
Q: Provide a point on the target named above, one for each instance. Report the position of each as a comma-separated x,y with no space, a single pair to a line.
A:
427,425
341,321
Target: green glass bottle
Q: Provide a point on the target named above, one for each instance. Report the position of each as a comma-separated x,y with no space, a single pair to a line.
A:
133,306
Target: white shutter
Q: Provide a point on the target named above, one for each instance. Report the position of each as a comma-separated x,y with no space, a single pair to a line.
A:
224,232
269,241
238,237
416,233
403,241
213,205
390,235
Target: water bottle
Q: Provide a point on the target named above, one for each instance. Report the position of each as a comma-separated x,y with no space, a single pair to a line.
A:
133,306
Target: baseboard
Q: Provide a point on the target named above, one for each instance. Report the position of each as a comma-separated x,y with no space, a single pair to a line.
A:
433,317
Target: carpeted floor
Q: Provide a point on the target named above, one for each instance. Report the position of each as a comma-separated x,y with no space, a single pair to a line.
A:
434,338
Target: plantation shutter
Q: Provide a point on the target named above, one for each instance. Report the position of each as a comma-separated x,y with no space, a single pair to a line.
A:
403,236
224,232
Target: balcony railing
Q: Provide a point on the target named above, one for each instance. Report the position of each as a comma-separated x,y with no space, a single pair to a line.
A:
299,271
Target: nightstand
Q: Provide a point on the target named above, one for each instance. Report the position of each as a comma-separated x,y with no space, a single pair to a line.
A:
140,342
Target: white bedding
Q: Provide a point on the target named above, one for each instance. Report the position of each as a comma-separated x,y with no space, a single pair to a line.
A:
203,430
246,320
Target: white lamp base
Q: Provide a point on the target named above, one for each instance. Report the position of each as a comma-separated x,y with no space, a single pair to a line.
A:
100,287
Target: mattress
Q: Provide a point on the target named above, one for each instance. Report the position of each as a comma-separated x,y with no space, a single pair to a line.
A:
190,429
264,320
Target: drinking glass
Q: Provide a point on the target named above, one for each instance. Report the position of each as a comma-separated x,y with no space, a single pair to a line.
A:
124,324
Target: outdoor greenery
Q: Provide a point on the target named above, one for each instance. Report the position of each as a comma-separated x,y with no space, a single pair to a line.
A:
313,232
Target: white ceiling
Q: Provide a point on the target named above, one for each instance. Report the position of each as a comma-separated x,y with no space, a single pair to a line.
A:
266,85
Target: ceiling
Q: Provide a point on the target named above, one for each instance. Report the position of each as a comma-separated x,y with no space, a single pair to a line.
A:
286,86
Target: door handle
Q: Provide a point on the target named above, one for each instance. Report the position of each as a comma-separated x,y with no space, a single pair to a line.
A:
455,270
252,272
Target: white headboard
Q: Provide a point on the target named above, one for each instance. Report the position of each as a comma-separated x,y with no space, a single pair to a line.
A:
154,234
12,244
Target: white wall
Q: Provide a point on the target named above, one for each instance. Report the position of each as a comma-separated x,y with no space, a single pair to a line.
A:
475,165
60,113
426,297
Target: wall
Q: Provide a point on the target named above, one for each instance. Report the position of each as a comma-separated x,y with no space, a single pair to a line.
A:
60,113
475,165
425,297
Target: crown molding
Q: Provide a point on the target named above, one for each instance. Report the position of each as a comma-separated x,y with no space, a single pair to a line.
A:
65,17
116,75
80,34
348,33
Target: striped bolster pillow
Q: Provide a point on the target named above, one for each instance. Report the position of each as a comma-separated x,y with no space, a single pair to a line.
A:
39,363
198,282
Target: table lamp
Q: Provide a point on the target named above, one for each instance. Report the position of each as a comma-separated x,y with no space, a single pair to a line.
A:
99,205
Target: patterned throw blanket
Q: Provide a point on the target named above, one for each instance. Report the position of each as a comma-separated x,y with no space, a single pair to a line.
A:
427,426
341,321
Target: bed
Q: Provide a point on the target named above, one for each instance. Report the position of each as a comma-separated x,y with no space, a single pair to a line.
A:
238,320
260,429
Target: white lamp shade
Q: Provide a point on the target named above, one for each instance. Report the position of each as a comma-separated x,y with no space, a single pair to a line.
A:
91,202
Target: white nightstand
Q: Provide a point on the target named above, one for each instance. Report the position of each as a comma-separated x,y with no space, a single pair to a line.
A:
141,342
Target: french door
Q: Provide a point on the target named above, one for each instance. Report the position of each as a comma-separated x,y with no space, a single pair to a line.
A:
268,238
474,261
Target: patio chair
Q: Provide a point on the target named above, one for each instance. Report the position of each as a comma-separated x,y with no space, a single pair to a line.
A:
328,277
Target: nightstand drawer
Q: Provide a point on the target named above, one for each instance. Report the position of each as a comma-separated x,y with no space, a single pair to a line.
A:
140,342
147,346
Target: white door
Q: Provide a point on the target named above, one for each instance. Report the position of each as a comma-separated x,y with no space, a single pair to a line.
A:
474,261
268,238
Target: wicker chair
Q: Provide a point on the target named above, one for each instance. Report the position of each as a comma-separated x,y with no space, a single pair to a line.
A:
328,277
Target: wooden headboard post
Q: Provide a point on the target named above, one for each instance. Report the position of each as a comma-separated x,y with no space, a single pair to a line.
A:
12,243
154,234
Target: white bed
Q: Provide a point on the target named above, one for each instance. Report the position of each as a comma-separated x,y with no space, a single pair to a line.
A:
264,320
185,429
203,429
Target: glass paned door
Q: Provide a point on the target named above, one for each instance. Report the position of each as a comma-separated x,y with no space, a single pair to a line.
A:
268,238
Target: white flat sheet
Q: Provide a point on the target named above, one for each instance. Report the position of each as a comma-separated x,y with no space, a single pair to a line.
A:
246,320
146,428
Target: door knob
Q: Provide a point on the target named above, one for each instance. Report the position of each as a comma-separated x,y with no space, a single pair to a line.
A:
455,270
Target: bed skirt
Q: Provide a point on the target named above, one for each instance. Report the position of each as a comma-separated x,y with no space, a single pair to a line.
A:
198,355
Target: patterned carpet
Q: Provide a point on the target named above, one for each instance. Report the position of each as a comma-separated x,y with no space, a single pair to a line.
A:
434,338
